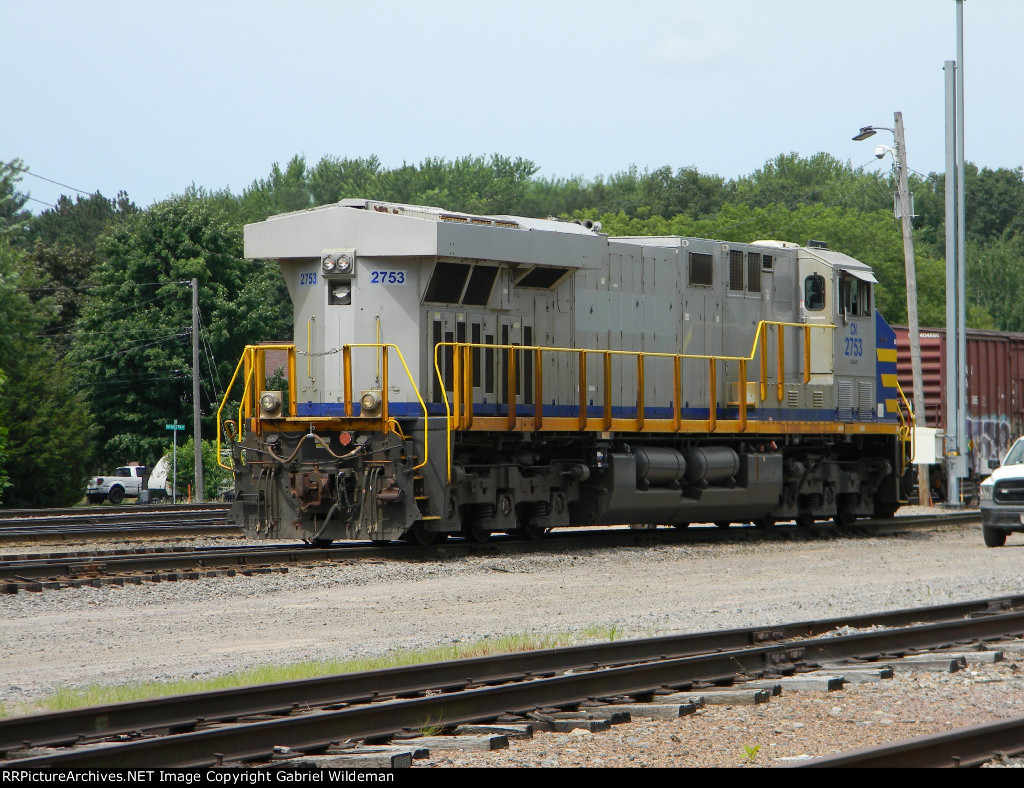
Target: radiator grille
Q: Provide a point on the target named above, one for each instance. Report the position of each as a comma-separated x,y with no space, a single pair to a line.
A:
845,400
865,398
735,270
753,272
1009,491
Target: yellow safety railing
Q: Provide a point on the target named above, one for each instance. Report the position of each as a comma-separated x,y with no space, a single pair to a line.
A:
907,426
460,415
252,365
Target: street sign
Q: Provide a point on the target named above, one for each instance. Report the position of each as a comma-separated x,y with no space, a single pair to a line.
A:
174,426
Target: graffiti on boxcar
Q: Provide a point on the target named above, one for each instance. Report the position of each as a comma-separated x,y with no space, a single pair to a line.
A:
989,437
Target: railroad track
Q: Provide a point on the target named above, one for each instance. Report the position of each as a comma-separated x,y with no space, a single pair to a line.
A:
281,723
37,572
970,746
109,511
59,525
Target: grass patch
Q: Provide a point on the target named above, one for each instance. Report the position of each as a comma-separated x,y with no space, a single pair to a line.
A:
102,694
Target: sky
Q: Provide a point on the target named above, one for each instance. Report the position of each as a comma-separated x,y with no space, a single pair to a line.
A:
153,96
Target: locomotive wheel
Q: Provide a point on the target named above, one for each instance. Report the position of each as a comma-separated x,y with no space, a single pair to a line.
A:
116,495
804,519
764,522
844,517
723,523
531,532
884,511
322,543
994,537
419,535
475,534
681,526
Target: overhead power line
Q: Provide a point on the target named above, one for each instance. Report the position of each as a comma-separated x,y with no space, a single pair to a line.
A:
27,171
42,202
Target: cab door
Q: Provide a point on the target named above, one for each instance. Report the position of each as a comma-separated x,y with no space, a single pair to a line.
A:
816,309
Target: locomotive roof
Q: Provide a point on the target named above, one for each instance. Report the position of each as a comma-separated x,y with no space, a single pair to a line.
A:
380,229
840,261
383,229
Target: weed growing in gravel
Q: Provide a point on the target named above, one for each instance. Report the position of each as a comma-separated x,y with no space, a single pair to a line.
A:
431,728
97,694
751,752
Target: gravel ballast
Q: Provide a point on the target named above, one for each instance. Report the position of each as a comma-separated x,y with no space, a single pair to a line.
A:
74,637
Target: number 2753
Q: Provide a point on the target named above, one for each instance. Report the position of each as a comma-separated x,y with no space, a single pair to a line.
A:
387,277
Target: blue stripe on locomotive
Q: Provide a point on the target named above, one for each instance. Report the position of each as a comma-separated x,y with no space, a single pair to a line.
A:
887,395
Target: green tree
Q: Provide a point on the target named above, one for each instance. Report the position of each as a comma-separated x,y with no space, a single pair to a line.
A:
334,179
792,180
47,424
13,215
995,280
283,191
4,483
215,478
62,248
133,344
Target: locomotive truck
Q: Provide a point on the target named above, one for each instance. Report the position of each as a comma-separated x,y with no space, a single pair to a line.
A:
453,373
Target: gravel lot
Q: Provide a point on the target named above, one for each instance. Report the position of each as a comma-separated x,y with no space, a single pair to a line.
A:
212,626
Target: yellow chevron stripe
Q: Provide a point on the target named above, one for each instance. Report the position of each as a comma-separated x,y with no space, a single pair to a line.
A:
889,381
886,353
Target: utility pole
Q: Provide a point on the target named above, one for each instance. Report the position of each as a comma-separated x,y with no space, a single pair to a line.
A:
957,442
906,215
197,426
913,330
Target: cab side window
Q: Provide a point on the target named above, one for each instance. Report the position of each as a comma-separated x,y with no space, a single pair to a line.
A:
854,297
814,292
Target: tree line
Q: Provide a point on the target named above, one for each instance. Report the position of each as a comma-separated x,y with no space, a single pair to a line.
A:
94,291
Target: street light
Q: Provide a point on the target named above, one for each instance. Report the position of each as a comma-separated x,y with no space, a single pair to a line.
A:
899,154
869,131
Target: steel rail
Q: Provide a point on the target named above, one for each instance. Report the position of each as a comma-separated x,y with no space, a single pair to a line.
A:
52,569
970,746
49,529
667,661
600,536
59,535
107,511
119,518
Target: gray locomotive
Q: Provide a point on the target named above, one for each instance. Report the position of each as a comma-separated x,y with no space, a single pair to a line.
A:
461,374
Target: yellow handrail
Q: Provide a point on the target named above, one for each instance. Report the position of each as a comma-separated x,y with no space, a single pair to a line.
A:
223,403
907,432
462,404
384,396
252,361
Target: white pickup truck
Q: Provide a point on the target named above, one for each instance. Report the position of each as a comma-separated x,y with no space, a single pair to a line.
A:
128,482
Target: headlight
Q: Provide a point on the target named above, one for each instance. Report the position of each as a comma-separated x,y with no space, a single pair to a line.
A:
370,403
329,264
344,263
341,294
986,491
